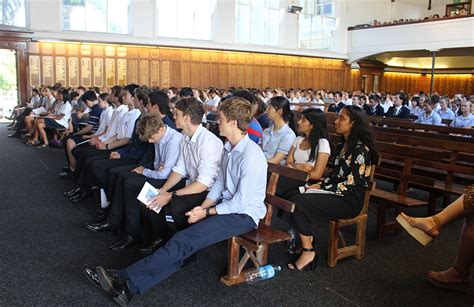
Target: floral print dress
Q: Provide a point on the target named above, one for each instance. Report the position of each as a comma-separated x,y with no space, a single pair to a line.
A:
351,171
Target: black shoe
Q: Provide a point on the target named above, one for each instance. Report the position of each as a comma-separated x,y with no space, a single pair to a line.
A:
99,227
72,192
115,286
101,218
102,211
91,275
66,174
78,197
151,248
66,168
309,266
124,243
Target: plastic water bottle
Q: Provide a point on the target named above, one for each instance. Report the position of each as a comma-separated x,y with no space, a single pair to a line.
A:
265,272
292,241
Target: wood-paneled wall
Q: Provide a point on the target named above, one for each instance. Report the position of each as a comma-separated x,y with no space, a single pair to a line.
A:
444,84
74,64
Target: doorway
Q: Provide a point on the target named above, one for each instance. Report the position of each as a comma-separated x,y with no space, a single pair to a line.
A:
8,82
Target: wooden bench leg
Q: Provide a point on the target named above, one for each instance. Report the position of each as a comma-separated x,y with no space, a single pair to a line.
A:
381,211
360,237
233,272
333,243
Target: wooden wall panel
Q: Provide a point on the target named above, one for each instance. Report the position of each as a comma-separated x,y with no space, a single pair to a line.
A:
163,66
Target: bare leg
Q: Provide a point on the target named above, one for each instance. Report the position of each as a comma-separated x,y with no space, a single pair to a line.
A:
459,273
70,145
451,213
29,121
41,129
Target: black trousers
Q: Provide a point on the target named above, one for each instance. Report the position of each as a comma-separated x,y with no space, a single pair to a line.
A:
312,208
85,177
101,171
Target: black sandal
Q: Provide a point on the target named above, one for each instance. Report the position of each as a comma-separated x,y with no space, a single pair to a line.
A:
309,266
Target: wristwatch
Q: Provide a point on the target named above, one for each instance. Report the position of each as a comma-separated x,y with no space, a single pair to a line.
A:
208,212
174,193
107,146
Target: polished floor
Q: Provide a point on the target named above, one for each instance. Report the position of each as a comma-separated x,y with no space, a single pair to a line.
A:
44,246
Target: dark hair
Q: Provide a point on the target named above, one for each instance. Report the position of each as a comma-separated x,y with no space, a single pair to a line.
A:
116,90
89,95
246,95
104,96
403,97
131,88
35,90
74,95
317,118
191,107
160,99
64,93
375,98
81,88
435,98
186,92
361,131
281,103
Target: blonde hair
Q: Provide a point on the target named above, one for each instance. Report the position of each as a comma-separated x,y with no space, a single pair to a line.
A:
238,109
149,125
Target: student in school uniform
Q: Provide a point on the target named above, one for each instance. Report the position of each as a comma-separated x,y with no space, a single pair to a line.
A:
374,108
278,138
466,118
430,116
233,206
255,129
399,110
445,112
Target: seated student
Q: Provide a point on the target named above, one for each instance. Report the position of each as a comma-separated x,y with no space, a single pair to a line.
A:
278,138
159,103
125,209
45,108
309,153
98,106
57,120
374,108
233,206
261,115
430,116
118,135
465,119
19,121
425,229
348,181
445,112
456,106
254,130
338,103
399,110
213,101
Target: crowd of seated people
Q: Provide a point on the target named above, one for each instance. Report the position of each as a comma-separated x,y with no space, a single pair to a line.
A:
375,22
211,182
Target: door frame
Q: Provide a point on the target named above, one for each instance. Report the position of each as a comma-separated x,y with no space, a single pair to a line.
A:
18,41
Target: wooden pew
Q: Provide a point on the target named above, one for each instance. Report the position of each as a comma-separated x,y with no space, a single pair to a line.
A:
255,243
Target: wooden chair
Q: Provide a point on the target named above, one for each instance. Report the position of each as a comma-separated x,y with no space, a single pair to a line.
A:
334,252
255,243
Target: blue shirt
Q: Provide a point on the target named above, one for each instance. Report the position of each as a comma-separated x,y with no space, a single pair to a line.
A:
166,155
432,119
255,131
448,114
168,122
461,122
94,117
277,141
238,184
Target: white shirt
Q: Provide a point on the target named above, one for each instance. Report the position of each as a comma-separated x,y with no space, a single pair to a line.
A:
200,157
114,123
302,156
66,110
127,123
105,118
214,101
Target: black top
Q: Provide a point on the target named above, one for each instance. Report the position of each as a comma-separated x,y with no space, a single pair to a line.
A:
351,171
404,112
377,111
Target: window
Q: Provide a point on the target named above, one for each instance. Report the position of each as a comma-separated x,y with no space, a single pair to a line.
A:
258,22
185,18
316,24
13,13
96,15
